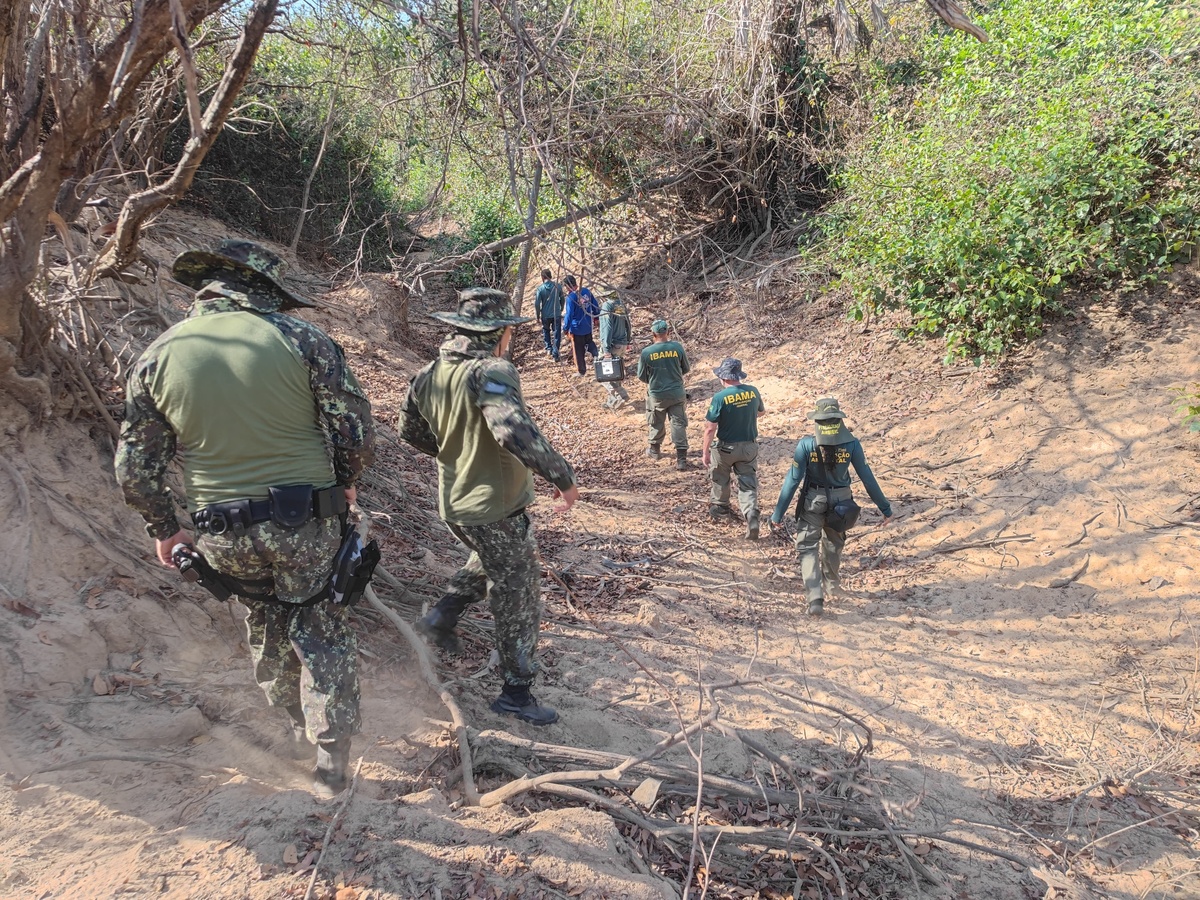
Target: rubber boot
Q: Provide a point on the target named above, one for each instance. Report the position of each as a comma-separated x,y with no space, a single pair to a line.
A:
516,700
301,747
816,607
333,760
654,452
681,461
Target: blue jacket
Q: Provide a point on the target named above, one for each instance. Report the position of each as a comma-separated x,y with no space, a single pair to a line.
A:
581,306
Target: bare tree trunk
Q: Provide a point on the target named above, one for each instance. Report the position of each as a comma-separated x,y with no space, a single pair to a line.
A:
122,249
92,89
312,173
449,263
527,248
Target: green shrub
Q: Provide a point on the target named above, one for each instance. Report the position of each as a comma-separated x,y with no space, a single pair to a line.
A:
1189,405
1062,153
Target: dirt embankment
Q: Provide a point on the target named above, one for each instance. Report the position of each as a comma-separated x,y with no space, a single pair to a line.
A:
1023,642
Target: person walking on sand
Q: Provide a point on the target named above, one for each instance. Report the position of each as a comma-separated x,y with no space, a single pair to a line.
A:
581,307
277,431
615,333
826,509
731,442
661,367
465,409
548,307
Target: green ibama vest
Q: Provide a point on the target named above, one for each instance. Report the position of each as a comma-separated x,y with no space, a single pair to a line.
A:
236,393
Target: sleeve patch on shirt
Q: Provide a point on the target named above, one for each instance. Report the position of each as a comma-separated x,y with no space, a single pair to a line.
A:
495,387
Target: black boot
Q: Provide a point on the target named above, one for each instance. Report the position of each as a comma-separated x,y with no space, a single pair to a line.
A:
438,625
516,700
302,747
654,451
752,527
681,461
333,760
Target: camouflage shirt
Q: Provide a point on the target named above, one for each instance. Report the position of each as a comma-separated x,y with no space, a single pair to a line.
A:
493,385
148,442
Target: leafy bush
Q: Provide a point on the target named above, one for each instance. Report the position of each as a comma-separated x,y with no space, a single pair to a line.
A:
1189,405
1062,153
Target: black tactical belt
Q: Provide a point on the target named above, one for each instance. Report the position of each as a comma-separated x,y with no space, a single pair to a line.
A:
289,506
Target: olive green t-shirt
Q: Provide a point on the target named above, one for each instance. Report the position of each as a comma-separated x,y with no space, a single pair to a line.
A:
735,410
479,481
238,437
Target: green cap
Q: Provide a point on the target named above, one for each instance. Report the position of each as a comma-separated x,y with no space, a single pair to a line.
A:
659,326
482,310
247,262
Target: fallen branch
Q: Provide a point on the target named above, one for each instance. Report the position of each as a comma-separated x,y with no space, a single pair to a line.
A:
521,786
1066,580
426,666
1084,532
333,823
994,542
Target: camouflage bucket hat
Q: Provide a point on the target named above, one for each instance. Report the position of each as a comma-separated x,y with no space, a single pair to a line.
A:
827,408
482,310
252,264
730,369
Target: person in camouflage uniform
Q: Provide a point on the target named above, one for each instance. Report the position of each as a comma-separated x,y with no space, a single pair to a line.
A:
259,399
465,408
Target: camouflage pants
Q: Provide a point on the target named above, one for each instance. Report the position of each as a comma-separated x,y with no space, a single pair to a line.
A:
818,548
503,567
656,418
616,391
740,459
305,656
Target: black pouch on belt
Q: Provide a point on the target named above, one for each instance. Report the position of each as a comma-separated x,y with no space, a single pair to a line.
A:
352,569
291,504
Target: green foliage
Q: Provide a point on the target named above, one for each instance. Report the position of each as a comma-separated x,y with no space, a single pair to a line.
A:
1189,405
1062,153
255,174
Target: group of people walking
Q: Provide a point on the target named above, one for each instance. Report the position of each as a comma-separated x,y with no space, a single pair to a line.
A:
275,431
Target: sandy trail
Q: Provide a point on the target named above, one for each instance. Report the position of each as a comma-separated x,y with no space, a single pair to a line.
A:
1023,641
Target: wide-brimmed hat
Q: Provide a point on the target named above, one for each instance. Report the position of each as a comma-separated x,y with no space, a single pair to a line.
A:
827,408
482,309
730,369
251,263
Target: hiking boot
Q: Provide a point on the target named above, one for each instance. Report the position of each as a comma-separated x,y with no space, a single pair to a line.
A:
437,626
301,746
681,461
522,704
752,530
816,607
719,510
653,452
333,759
